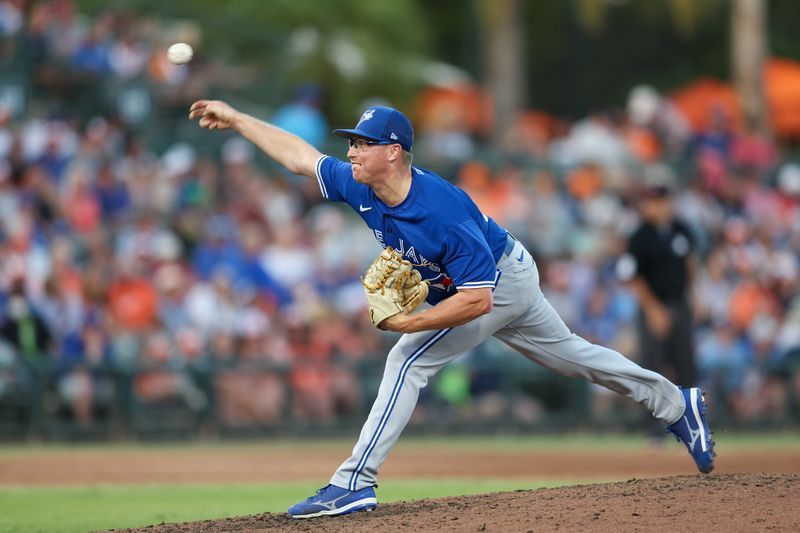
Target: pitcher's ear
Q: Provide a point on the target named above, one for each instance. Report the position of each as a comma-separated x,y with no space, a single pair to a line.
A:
395,152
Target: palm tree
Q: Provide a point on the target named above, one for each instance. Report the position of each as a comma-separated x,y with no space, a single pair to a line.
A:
748,52
503,59
502,28
748,35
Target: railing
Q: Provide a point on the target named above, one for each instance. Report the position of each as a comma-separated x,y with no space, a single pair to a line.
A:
41,399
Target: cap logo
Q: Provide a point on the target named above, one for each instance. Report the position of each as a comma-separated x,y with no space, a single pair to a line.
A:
366,116
393,136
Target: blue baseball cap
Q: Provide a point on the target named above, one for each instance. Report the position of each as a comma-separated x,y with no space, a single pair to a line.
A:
382,124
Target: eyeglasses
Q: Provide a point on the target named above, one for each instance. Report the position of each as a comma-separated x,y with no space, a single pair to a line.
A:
361,144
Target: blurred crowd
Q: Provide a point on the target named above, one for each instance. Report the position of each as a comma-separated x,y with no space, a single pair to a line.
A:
212,280
165,266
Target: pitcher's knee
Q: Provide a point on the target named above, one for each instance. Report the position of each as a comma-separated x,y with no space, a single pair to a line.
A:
417,376
395,361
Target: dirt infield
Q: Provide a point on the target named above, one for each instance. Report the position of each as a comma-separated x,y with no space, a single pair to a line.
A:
253,464
728,502
749,490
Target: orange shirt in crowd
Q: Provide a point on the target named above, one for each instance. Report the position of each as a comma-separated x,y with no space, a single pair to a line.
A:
133,303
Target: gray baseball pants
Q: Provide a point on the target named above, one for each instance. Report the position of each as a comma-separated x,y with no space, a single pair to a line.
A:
523,319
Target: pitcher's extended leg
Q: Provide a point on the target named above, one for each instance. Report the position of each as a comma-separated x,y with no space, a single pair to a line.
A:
542,336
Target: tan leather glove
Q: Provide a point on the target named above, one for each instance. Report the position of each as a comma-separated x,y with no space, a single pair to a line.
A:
392,286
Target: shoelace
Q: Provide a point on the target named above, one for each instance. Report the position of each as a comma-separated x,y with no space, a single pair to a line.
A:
319,491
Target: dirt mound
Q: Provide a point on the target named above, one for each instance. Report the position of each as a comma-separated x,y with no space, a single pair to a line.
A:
729,502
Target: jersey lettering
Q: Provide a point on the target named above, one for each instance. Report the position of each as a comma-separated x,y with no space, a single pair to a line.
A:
379,237
427,264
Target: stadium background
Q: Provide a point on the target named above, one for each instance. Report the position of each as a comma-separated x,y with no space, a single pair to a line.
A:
160,282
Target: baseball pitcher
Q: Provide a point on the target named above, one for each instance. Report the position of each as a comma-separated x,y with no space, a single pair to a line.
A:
475,278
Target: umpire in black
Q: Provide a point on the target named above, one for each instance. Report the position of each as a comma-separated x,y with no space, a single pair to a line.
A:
659,266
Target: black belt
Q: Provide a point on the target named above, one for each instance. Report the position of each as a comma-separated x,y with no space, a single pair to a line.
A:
510,243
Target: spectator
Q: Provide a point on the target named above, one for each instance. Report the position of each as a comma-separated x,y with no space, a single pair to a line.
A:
83,381
302,116
24,328
132,299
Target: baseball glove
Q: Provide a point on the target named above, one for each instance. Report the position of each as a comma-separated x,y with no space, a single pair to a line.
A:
392,286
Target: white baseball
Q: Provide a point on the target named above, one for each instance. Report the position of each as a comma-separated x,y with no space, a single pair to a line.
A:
180,53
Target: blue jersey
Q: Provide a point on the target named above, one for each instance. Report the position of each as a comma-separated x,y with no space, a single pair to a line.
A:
437,227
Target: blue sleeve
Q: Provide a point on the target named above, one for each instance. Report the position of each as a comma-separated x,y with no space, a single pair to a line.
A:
335,178
468,258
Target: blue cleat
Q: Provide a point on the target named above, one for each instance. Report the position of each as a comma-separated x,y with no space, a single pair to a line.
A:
334,501
692,430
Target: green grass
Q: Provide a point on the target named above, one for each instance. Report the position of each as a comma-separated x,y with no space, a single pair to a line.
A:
73,509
